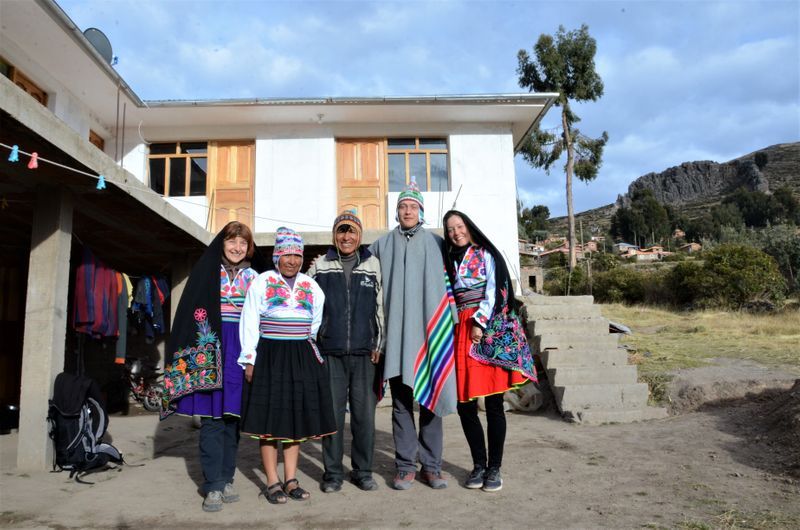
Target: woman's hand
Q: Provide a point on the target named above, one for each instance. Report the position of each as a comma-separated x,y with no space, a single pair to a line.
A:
476,334
248,373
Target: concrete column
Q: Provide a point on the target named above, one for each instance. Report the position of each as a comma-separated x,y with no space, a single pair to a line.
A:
45,323
181,267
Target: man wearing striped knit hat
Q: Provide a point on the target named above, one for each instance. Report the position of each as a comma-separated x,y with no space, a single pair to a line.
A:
419,362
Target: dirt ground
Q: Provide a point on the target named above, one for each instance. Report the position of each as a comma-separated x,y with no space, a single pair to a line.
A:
729,457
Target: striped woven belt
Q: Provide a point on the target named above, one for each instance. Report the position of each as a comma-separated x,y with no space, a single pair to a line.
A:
285,328
467,297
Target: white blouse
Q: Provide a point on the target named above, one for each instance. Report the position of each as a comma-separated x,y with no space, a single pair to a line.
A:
478,266
270,297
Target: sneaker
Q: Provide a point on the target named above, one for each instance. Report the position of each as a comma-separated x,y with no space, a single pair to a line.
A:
213,501
403,480
434,480
229,494
475,478
331,486
493,481
365,483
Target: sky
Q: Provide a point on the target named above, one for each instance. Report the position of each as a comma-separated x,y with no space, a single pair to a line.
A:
684,80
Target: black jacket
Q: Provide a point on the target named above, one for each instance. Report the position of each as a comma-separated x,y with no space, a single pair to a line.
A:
352,320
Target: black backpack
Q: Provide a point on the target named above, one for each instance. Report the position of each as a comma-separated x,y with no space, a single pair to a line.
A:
77,424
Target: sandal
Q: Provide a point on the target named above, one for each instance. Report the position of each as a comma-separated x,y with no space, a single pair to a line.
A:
275,494
296,493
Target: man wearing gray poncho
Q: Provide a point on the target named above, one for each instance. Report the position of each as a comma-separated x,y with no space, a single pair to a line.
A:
419,360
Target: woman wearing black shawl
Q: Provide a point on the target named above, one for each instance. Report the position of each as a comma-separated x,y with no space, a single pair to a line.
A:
203,378
491,352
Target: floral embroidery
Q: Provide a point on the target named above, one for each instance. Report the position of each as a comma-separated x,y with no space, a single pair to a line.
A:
473,266
233,292
195,367
304,296
277,293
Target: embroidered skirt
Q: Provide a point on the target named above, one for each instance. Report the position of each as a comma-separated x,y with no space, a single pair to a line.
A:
475,379
289,398
226,401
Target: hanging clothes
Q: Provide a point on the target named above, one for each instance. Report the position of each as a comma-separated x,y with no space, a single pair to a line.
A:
96,298
147,308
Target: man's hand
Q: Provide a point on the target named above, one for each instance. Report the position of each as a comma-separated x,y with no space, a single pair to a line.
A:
375,357
248,373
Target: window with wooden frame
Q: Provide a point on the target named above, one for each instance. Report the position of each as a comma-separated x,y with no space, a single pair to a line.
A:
425,159
178,169
23,81
97,140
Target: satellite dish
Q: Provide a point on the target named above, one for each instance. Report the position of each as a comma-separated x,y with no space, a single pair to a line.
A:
100,42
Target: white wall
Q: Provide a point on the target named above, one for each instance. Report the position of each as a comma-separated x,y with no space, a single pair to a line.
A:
482,168
295,183
295,180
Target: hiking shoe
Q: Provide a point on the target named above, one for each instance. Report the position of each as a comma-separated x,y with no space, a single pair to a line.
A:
330,486
229,494
434,480
365,483
475,478
493,481
403,480
213,501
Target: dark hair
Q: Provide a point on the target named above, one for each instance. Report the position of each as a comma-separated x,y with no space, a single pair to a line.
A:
501,276
237,229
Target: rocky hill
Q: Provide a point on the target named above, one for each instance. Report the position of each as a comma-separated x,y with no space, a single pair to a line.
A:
692,187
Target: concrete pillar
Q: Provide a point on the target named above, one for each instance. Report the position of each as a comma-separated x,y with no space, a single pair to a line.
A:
45,324
181,267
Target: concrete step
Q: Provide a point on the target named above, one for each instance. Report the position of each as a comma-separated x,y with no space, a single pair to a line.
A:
584,358
591,326
579,375
539,299
576,398
601,342
549,312
599,416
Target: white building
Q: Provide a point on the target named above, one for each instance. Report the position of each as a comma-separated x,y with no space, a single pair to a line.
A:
176,171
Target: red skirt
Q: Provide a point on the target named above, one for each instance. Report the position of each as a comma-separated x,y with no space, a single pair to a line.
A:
475,379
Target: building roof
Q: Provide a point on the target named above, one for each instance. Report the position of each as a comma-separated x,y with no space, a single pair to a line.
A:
41,29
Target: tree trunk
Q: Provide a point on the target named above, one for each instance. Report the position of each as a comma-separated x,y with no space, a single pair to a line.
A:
573,260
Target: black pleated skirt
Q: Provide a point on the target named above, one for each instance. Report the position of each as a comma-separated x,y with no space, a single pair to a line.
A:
289,398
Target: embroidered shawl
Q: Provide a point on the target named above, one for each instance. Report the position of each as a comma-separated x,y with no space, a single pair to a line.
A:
504,342
194,341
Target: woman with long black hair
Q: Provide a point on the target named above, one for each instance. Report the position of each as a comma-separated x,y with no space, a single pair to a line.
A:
491,352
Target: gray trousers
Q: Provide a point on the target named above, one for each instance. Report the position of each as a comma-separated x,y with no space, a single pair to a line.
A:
351,378
407,447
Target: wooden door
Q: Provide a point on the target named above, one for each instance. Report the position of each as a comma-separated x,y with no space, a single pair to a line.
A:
360,170
231,166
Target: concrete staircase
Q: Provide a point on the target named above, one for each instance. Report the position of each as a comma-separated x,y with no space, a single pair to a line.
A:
588,371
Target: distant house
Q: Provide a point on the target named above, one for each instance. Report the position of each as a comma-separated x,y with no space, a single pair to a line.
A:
526,248
678,234
654,253
589,246
690,248
623,248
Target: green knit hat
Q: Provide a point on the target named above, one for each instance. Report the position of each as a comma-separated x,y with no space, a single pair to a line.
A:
412,193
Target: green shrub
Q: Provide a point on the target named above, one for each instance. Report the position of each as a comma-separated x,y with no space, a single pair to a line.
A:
682,281
730,276
622,284
559,282
737,274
